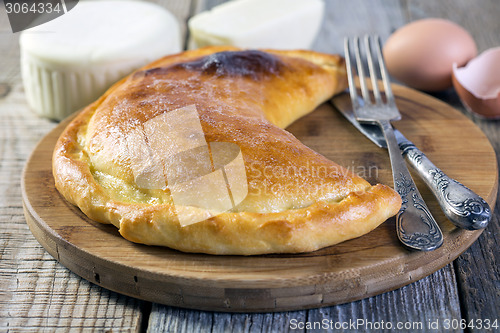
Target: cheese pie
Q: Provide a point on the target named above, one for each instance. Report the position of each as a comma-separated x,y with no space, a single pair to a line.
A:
167,143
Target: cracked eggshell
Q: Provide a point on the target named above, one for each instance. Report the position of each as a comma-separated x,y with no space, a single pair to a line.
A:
478,83
421,54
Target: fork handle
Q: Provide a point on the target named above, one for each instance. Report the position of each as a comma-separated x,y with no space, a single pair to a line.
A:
461,205
415,226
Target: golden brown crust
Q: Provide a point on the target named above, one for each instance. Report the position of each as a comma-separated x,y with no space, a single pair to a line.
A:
245,104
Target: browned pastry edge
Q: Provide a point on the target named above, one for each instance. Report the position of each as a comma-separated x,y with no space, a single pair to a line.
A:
242,233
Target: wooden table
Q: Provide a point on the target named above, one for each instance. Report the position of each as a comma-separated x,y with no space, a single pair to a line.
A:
39,294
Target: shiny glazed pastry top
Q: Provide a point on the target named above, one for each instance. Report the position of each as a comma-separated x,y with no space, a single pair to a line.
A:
115,160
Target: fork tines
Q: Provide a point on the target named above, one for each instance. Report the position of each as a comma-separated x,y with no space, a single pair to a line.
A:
372,46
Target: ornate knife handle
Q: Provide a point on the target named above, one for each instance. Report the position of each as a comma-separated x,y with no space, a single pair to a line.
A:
462,206
415,226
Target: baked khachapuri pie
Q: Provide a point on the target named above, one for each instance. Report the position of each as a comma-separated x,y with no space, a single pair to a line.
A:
134,158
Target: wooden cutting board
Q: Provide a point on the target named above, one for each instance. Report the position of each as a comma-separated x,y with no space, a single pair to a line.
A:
359,268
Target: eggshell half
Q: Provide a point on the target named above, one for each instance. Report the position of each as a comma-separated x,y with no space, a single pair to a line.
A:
478,83
421,54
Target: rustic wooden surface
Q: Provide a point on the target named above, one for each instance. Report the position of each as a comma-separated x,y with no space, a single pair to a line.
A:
38,294
352,270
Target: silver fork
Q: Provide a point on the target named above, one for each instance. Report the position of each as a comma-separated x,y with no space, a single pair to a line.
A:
415,225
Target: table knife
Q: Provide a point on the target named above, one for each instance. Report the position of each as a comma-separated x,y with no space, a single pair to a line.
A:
462,206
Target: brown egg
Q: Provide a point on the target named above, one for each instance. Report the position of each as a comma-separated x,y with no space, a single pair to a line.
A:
478,84
421,54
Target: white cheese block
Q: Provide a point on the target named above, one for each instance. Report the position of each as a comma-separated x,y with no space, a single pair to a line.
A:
278,24
69,62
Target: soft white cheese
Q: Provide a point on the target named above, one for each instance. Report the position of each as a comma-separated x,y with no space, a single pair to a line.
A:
278,24
69,62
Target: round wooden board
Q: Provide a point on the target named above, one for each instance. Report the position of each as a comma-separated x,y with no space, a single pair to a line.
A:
359,268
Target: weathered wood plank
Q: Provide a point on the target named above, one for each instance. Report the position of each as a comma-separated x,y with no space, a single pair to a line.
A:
348,18
478,276
9,56
170,319
36,292
29,277
357,17
477,269
479,17
430,299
